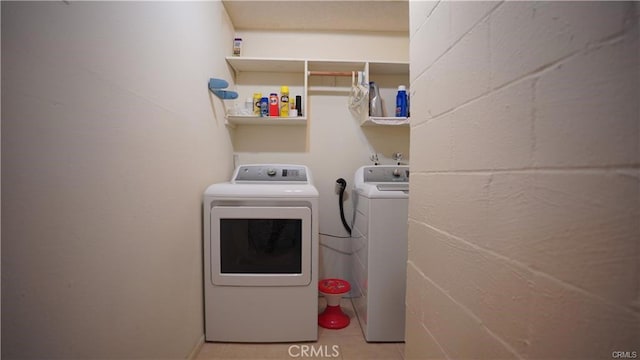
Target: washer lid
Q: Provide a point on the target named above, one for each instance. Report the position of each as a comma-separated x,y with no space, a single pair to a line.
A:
382,181
393,187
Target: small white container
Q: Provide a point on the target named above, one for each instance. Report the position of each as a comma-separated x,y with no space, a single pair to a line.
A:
237,46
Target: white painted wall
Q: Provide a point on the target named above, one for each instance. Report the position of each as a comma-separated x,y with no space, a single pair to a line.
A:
525,190
109,137
333,144
0,181
322,45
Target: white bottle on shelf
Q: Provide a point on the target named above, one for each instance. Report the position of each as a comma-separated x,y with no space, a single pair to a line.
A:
375,102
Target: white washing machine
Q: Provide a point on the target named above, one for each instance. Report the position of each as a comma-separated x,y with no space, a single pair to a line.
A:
379,261
261,256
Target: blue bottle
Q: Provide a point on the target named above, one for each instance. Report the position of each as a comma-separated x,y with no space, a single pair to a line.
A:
401,102
264,106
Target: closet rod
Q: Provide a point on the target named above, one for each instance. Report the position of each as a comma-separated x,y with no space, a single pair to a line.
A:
331,73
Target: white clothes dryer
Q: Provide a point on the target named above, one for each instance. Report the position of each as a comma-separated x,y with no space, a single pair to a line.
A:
379,260
261,256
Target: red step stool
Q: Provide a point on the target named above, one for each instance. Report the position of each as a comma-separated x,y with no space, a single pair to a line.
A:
332,317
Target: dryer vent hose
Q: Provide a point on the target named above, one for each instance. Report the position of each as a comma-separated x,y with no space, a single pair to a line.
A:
343,185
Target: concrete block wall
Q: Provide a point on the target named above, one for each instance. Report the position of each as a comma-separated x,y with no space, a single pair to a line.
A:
524,231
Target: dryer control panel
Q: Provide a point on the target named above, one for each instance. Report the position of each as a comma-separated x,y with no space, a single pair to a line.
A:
271,173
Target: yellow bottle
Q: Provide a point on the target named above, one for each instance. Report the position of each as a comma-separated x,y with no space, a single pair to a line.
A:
284,101
256,103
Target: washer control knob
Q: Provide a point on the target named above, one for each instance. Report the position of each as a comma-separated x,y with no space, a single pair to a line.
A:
396,172
271,172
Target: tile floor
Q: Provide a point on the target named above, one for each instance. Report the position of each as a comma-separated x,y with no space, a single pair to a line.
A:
343,344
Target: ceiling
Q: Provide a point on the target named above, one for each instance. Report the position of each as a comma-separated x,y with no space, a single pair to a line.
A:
323,15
